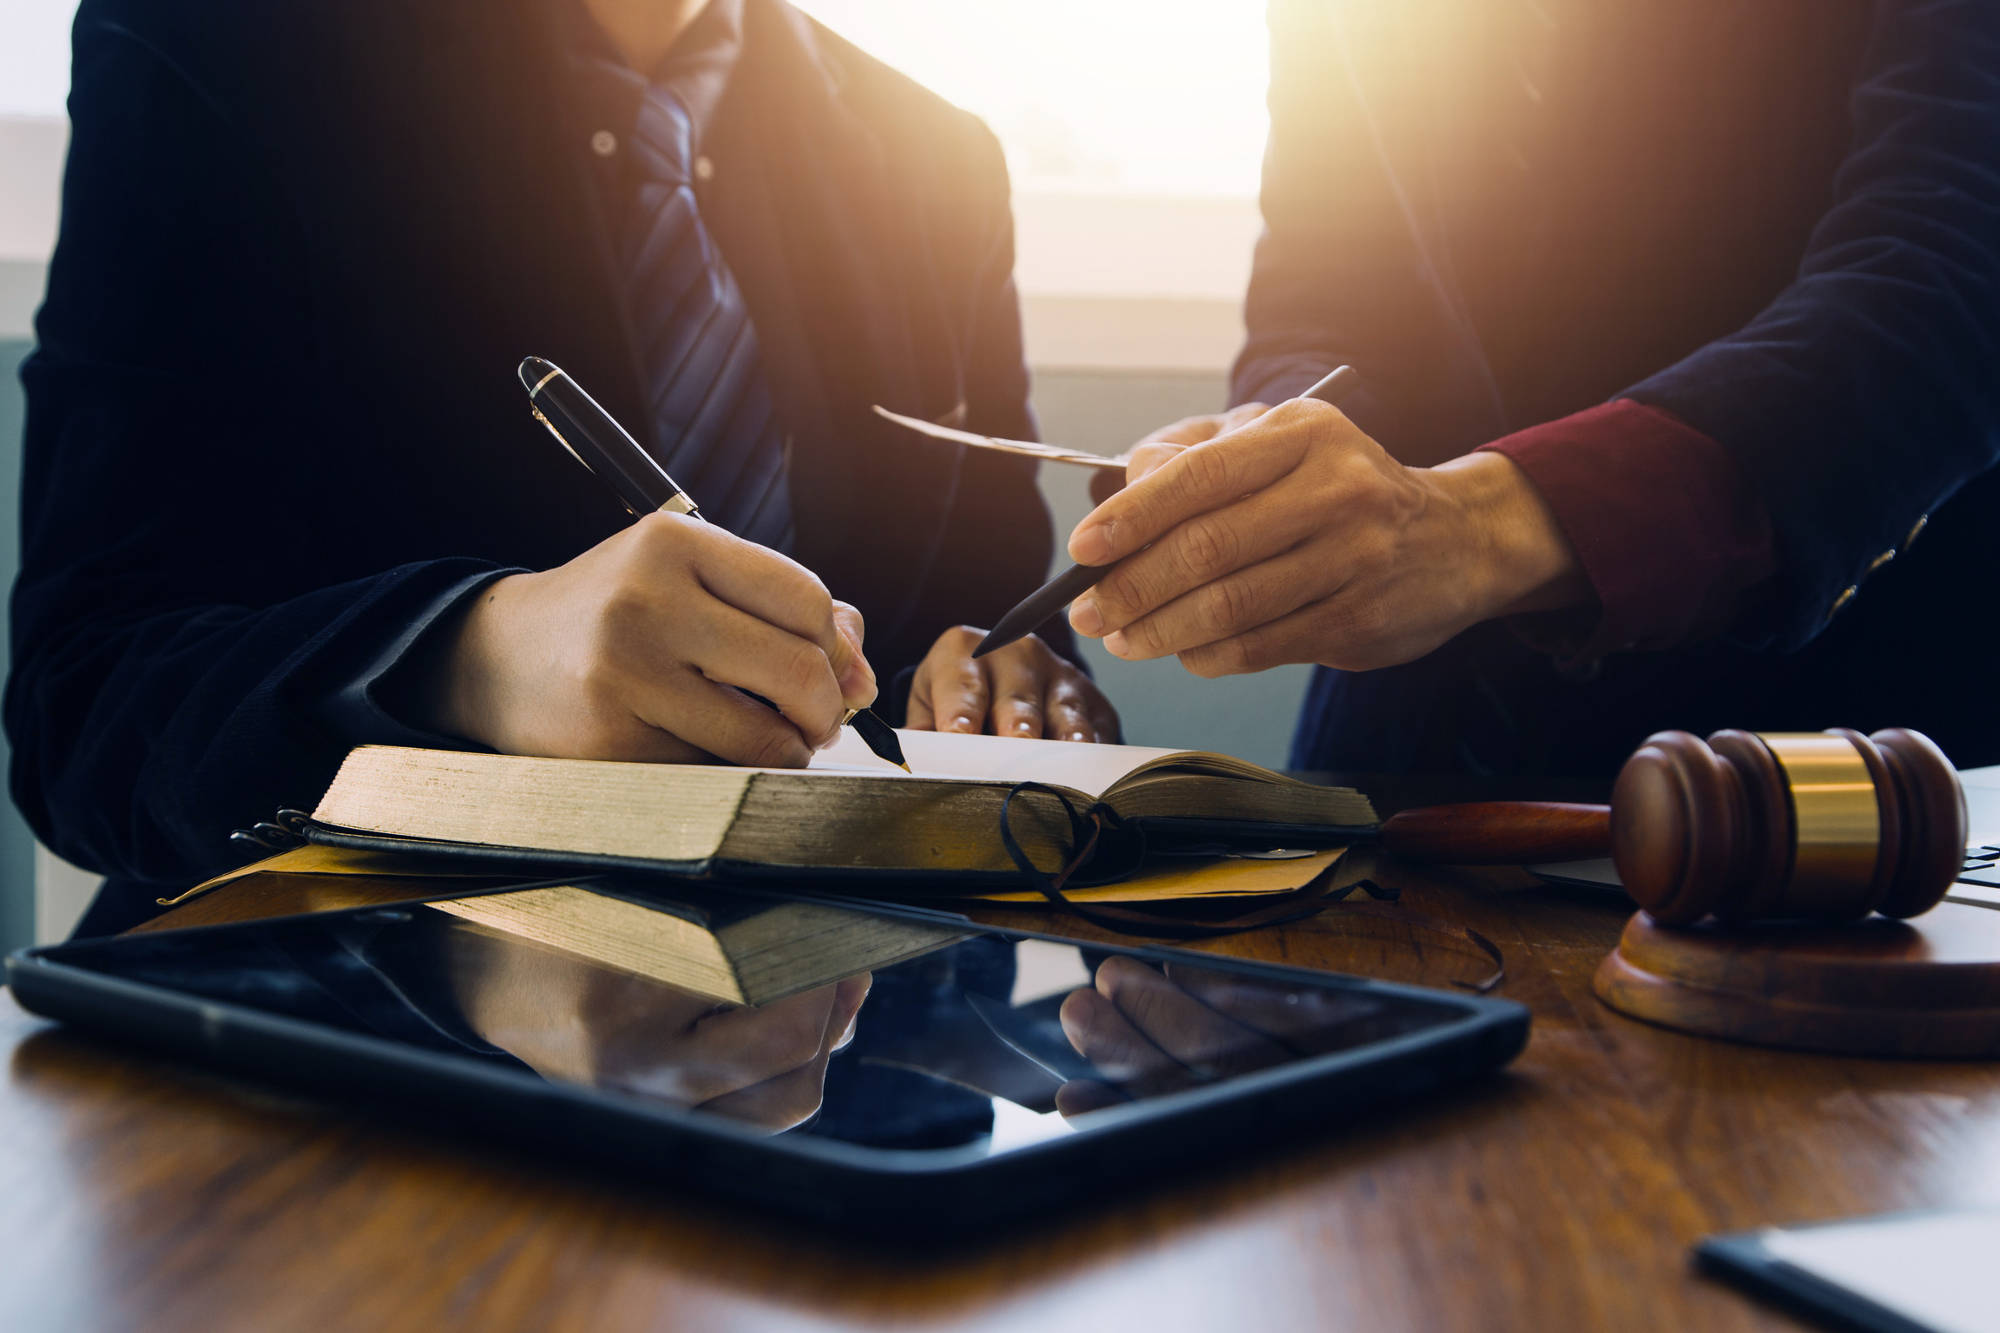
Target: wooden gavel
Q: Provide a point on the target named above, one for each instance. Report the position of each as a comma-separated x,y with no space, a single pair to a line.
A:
1744,826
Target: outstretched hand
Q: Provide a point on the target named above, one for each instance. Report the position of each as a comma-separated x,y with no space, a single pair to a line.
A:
1248,541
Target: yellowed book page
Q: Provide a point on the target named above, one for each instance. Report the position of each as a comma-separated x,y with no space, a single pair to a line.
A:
1090,769
1228,877
313,859
678,812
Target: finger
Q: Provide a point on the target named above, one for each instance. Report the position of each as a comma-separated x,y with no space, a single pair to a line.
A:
959,688
1303,1018
795,674
757,581
1196,553
1066,706
1188,430
1204,477
1197,1036
850,664
1119,1051
1104,483
1352,638
740,1048
716,720
778,1103
1146,459
1081,1096
849,996
1230,605
790,1098
1019,672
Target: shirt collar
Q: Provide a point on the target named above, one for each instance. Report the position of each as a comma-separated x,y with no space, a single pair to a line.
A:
696,68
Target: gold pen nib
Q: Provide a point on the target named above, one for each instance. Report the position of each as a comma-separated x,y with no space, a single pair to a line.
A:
879,736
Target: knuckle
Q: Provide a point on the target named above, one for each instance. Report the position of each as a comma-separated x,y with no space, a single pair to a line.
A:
1225,605
806,668
1204,470
1209,546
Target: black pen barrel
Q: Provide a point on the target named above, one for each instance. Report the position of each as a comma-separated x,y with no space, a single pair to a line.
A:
597,440
1040,605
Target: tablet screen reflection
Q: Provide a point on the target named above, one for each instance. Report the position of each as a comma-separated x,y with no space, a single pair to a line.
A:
980,1040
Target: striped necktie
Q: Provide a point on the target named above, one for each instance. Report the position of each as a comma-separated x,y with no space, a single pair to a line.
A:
714,424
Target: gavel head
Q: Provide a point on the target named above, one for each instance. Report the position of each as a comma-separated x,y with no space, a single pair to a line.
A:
1748,826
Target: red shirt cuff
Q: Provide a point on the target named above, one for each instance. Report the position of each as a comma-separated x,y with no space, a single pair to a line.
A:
1666,526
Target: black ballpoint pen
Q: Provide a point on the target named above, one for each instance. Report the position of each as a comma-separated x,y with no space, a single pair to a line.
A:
1067,586
596,440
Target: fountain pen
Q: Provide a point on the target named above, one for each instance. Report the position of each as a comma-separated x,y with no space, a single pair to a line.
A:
596,440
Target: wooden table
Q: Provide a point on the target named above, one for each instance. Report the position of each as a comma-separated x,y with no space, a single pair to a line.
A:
1564,1194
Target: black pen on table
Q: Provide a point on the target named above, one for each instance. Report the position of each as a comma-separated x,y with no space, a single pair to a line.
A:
1064,588
596,440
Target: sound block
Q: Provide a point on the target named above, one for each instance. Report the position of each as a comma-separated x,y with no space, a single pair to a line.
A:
1926,987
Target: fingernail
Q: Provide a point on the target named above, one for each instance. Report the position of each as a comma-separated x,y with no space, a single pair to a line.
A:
1024,728
1078,736
1090,544
963,723
1085,617
1115,644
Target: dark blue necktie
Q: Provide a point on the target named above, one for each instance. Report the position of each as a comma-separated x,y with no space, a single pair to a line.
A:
715,427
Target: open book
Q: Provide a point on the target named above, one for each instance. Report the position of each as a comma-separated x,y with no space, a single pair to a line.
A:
849,812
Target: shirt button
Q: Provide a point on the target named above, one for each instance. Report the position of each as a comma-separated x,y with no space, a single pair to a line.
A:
1915,530
604,143
704,168
1846,596
1880,561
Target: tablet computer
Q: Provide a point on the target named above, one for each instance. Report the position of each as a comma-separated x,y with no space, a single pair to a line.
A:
904,1071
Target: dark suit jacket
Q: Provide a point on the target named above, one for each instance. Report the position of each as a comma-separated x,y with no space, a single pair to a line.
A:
273,411
1779,221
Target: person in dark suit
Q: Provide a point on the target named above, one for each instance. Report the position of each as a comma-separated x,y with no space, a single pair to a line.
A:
282,491
1678,334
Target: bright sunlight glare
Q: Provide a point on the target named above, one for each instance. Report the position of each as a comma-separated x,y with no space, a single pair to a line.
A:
1155,95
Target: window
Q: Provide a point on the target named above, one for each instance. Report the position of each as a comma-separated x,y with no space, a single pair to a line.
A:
1157,95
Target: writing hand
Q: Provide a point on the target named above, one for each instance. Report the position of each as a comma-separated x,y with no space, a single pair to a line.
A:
580,1022
1024,689
641,648
1294,537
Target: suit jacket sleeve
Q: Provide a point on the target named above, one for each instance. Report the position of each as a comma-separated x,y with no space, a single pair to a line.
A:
1340,277
187,614
1866,393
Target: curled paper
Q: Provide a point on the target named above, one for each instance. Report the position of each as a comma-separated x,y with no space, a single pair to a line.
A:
1026,448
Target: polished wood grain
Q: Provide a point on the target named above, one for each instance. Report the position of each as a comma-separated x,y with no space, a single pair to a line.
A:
1929,986
1564,1194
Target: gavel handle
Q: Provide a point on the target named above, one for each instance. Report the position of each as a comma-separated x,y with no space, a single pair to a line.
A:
1491,833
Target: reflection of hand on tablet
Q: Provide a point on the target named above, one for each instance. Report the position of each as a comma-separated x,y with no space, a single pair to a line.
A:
575,1022
1150,1031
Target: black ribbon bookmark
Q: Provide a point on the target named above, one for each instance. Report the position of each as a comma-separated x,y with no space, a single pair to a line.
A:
1088,829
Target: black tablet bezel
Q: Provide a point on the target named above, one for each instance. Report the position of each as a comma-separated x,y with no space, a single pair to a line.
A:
938,1194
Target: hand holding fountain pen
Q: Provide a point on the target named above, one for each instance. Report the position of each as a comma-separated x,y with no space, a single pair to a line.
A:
1066,587
604,448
